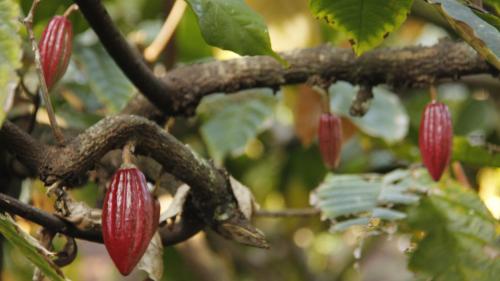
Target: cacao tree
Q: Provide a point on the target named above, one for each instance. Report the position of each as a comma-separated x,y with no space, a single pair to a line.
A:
250,140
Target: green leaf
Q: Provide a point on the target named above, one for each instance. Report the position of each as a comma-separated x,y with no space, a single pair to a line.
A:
10,52
232,25
357,199
483,37
234,120
477,153
458,230
367,22
30,248
386,117
106,80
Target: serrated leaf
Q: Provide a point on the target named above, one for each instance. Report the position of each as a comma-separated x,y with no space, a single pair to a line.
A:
363,197
386,117
232,25
367,22
483,37
106,80
477,154
30,248
458,229
229,128
10,53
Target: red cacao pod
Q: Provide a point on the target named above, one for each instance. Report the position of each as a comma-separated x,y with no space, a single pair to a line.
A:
130,216
435,138
330,139
55,49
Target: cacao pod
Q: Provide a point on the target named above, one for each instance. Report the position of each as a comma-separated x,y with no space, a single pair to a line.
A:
55,49
435,138
330,139
130,216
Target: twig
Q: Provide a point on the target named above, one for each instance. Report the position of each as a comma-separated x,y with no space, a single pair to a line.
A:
183,230
361,103
308,212
152,52
44,92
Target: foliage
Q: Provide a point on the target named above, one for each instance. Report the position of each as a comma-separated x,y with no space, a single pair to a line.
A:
10,54
367,22
30,247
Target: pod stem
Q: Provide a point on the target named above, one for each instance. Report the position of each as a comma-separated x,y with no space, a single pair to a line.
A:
127,153
70,10
433,92
44,92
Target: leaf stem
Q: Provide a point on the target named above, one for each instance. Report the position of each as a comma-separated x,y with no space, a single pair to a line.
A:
44,92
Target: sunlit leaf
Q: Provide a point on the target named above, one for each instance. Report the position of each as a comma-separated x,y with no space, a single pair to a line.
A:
483,37
232,25
367,22
386,117
10,53
30,248
458,231
356,199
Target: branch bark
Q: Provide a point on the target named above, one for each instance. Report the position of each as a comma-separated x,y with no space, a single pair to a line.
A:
211,190
179,92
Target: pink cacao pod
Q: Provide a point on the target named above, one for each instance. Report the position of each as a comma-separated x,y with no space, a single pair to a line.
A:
55,49
330,139
435,138
130,216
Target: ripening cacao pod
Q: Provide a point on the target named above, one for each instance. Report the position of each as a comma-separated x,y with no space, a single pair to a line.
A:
435,138
55,49
130,216
330,139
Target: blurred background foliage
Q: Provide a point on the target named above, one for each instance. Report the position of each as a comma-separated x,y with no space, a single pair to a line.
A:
267,141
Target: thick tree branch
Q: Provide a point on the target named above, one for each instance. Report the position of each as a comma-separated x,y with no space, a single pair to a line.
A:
211,191
181,89
181,231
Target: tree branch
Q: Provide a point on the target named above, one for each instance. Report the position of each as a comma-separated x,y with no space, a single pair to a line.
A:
181,231
211,191
179,92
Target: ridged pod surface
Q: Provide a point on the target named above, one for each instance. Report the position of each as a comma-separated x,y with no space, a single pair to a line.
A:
130,216
330,139
55,49
435,138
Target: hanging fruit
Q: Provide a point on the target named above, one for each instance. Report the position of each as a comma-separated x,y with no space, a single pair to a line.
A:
130,216
435,138
55,49
330,139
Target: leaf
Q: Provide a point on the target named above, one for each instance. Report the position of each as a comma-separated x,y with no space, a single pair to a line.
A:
30,248
483,37
475,152
244,197
234,120
106,80
10,53
367,22
232,25
357,199
458,231
386,117
152,260
177,203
